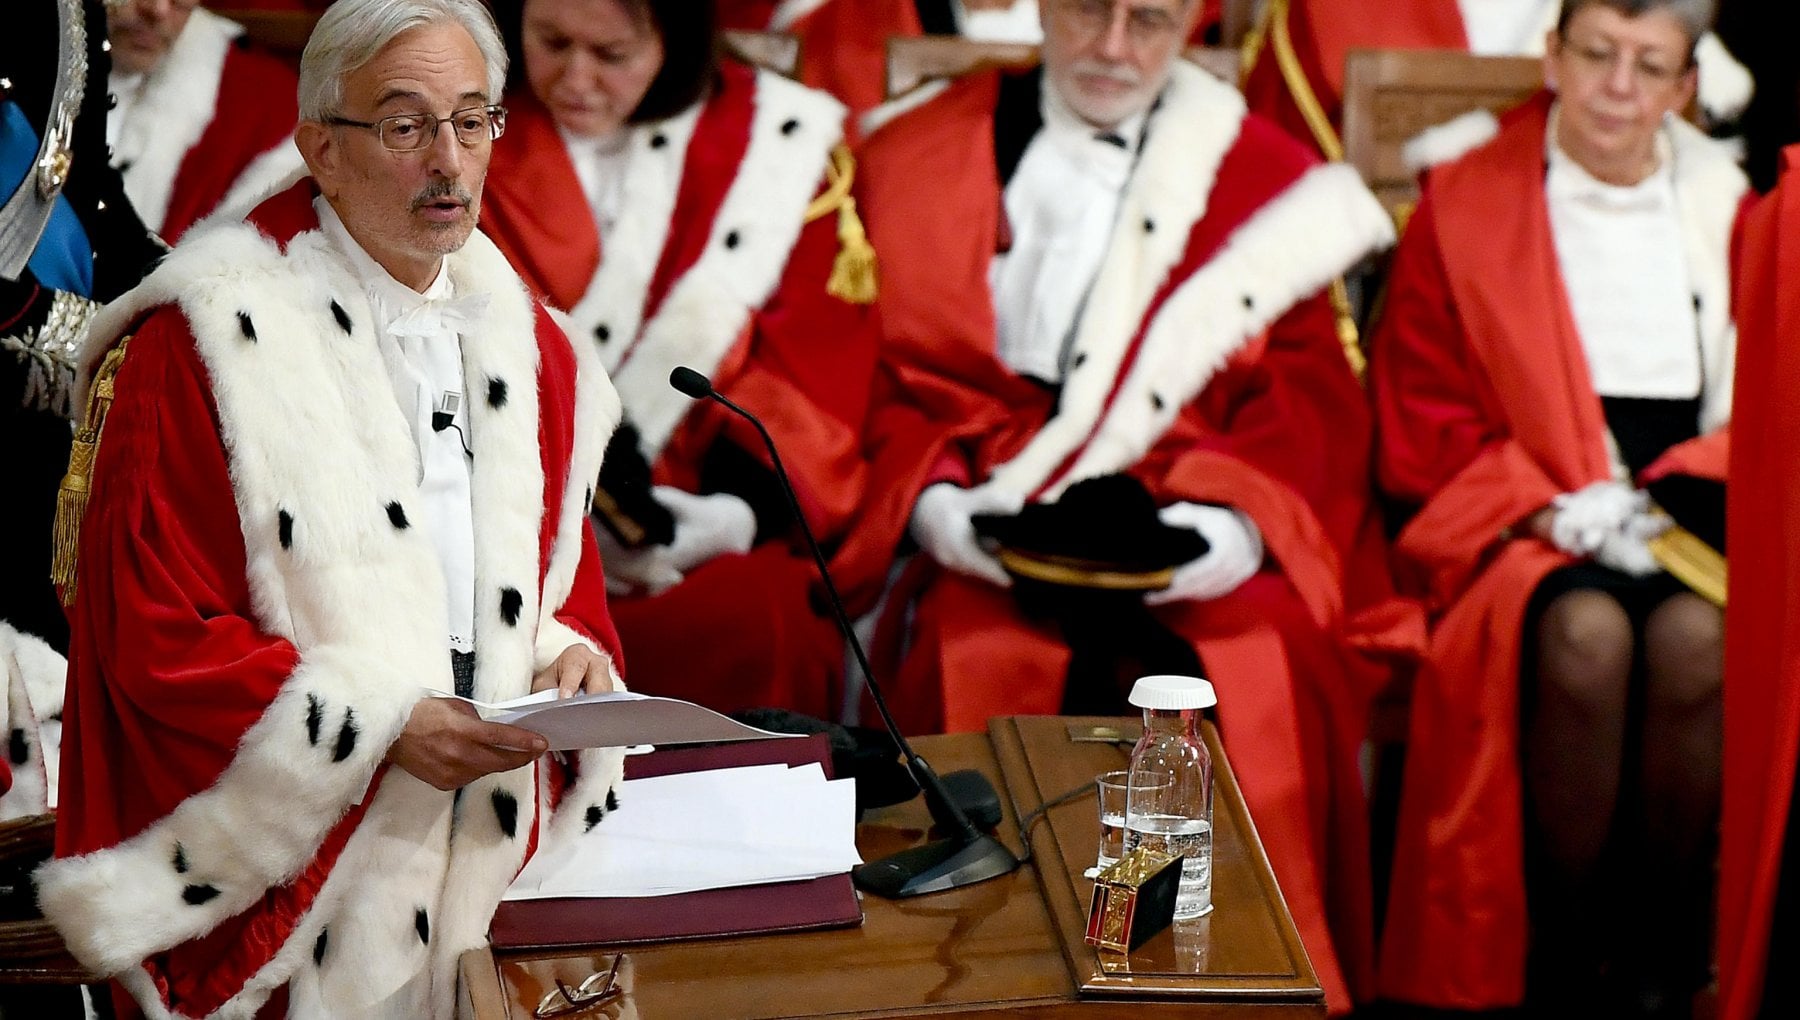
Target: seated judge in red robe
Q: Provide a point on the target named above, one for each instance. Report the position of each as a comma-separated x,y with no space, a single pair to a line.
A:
1107,269
1759,853
1295,73
843,43
1553,371
689,213
199,120
264,811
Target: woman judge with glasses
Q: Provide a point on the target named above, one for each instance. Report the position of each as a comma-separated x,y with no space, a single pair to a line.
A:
691,212
1552,378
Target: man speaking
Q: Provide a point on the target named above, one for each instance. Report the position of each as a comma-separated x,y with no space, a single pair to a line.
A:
345,461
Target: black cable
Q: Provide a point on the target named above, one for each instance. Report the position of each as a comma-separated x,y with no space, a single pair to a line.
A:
1030,821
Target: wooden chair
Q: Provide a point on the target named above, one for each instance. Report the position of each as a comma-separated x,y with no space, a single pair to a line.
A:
31,951
283,33
1392,95
913,61
1239,17
772,51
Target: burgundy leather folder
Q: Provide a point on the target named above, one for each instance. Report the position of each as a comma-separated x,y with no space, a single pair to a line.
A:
828,902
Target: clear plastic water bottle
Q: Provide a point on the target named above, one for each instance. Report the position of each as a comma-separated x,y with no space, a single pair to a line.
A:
1169,804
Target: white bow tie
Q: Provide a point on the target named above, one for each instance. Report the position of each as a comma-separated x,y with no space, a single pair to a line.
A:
437,317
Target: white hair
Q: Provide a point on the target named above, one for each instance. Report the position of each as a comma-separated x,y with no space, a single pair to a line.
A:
352,32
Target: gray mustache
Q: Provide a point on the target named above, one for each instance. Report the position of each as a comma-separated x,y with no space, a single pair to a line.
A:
439,190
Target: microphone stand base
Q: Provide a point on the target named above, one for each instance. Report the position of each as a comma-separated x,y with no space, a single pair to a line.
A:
935,867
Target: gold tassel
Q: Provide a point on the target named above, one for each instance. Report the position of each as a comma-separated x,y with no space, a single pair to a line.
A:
1348,337
77,484
854,276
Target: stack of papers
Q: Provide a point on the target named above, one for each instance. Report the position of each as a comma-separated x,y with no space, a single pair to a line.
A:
706,830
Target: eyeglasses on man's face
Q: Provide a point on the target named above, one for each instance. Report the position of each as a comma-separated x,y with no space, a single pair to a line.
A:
410,132
1143,24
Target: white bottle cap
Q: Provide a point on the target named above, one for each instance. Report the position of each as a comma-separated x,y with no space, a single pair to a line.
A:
1173,693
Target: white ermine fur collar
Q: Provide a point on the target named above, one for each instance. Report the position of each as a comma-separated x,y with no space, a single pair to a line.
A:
180,98
324,472
1285,252
792,133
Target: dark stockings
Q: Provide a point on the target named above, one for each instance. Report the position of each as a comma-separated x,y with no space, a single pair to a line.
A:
1589,781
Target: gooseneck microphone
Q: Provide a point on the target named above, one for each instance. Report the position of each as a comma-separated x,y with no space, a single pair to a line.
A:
968,855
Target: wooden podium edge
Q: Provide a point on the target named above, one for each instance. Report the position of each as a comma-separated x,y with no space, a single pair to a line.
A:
1069,911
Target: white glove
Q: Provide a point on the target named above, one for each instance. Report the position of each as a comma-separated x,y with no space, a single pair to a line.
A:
1626,549
705,527
1234,555
942,523
1586,518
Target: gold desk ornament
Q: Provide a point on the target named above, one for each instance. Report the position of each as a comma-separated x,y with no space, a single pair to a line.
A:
1134,898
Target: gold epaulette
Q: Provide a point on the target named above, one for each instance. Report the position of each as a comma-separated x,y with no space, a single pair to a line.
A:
853,275
77,483
1692,562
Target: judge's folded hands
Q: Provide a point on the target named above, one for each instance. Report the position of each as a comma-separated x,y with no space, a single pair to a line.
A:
1234,553
705,527
943,525
447,745
1610,522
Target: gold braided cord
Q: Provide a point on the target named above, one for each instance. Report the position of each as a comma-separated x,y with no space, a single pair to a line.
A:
1299,88
1348,336
853,273
1251,49
77,484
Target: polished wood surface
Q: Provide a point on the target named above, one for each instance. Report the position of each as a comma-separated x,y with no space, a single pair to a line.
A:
771,51
1246,950
1392,95
1010,947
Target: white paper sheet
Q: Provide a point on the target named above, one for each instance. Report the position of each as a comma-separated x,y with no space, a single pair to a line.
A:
707,830
615,719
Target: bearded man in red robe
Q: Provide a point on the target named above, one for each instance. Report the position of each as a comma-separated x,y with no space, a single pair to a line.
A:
1109,268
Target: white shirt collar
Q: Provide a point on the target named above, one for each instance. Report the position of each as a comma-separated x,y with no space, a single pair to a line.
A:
1060,120
390,297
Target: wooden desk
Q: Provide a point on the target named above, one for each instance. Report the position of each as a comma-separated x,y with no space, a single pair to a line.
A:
1011,947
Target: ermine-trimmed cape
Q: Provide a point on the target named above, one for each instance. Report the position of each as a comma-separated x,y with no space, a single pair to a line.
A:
258,611
1206,364
217,121
714,264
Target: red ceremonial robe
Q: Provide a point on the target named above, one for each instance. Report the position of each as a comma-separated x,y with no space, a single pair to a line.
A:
713,266
1323,34
1762,688
843,43
217,123
1208,366
1485,412
256,616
